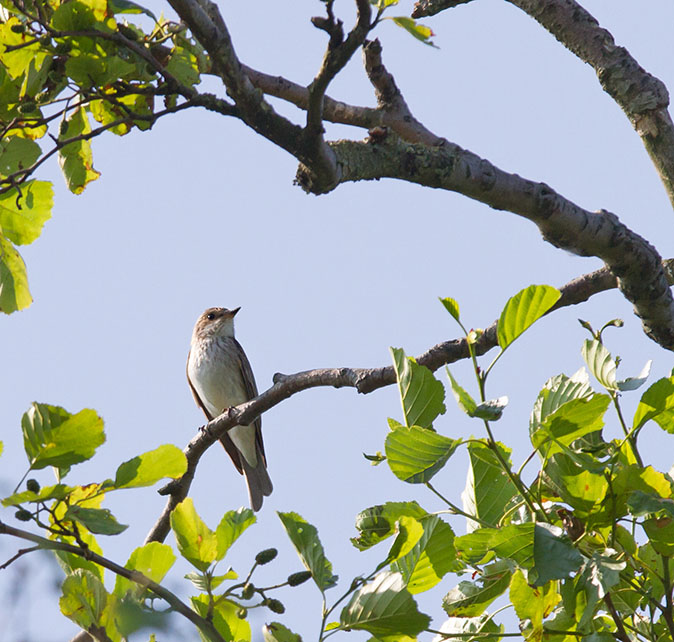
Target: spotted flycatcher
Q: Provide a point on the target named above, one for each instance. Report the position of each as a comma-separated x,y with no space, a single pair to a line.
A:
220,377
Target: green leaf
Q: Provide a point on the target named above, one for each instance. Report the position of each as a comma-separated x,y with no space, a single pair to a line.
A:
533,603
463,399
573,420
475,548
452,306
421,394
277,632
600,363
556,392
660,531
97,520
542,550
14,292
230,528
430,558
555,558
488,487
204,581
17,153
196,542
383,607
579,487
641,503
148,468
599,574
657,403
153,560
126,6
83,598
224,617
415,454
184,67
410,531
304,537
73,16
379,522
24,212
54,437
18,61
459,629
523,310
419,31
76,159
59,491
470,599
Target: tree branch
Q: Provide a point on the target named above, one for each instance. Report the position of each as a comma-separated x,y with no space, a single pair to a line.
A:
642,96
564,224
364,380
325,169
208,27
134,576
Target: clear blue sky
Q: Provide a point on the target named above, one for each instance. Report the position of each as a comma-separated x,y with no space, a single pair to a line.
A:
201,212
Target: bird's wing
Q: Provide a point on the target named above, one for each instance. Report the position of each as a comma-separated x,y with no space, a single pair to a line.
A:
251,392
226,440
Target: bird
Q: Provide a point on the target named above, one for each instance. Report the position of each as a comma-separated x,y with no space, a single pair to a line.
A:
220,377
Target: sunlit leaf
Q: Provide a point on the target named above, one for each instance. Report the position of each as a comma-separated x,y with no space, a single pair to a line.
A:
54,437
277,632
430,558
600,363
533,603
224,617
14,292
148,468
556,392
657,403
415,454
421,394
573,420
471,598
153,560
24,211
459,629
523,310
419,31
379,522
488,489
452,306
196,542
305,539
83,598
76,159
230,528
463,398
383,607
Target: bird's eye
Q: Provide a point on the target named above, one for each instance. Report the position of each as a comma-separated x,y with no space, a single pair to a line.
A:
210,316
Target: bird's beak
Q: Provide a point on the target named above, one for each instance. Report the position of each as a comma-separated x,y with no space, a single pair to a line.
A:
234,311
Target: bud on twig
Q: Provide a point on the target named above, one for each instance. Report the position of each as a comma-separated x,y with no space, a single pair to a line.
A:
266,556
298,578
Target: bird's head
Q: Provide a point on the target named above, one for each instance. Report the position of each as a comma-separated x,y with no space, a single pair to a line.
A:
215,322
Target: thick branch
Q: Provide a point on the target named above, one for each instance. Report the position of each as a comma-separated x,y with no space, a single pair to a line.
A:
643,97
364,380
563,224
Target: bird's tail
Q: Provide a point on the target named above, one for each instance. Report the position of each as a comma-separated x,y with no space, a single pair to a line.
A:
258,481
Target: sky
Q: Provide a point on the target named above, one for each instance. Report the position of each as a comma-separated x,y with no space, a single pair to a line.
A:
202,212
